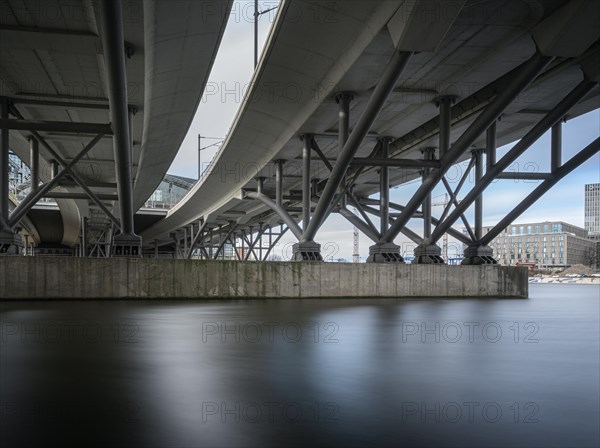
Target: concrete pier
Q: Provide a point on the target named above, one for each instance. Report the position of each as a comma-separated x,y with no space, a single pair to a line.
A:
137,278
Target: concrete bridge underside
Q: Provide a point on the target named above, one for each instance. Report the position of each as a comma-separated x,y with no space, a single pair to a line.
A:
349,100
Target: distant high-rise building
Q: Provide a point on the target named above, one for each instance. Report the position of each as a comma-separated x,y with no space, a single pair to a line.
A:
592,210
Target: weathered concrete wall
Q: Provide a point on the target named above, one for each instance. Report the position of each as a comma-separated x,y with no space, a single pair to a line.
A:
98,278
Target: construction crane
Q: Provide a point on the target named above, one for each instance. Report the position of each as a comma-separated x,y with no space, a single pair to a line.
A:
445,237
356,254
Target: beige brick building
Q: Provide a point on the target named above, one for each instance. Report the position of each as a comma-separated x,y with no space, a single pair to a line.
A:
547,244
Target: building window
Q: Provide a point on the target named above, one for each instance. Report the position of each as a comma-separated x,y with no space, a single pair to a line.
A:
528,230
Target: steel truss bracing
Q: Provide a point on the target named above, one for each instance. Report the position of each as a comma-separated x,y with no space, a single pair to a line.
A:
226,242
126,243
320,198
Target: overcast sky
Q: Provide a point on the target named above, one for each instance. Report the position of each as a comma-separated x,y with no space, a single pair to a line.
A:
231,74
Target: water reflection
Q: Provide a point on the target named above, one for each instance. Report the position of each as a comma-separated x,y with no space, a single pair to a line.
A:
299,372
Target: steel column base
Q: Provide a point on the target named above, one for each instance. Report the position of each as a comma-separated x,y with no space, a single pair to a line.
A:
10,243
428,254
127,245
385,253
307,251
478,255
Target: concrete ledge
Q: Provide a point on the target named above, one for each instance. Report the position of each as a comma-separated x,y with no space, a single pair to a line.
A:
131,278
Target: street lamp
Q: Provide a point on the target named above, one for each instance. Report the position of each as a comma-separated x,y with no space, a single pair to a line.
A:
257,14
200,148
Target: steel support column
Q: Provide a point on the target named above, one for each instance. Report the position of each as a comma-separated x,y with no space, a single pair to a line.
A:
127,243
4,168
384,88
428,253
201,228
579,92
84,236
478,156
526,73
490,147
445,105
34,162
556,147
10,242
306,250
581,157
384,187
306,180
32,198
279,183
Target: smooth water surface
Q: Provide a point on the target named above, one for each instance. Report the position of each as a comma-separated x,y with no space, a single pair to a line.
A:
303,372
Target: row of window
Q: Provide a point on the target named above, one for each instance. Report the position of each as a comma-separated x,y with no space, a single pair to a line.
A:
536,229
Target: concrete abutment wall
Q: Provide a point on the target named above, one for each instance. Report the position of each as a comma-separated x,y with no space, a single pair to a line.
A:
137,278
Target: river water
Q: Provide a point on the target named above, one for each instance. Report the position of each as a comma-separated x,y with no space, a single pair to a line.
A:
304,372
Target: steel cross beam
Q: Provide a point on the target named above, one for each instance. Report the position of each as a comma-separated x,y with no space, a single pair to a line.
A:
282,232
282,212
59,160
114,59
579,92
406,231
252,244
349,194
32,198
585,154
401,163
195,239
232,227
454,199
451,231
384,88
527,72
55,126
358,223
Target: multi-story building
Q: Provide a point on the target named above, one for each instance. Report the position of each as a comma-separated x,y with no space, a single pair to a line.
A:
592,210
547,244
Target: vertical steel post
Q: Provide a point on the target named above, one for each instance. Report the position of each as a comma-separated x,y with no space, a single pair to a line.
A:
155,248
343,99
34,162
84,236
243,257
428,154
556,147
306,153
384,88
114,59
490,147
4,143
445,105
279,183
384,187
185,242
478,157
